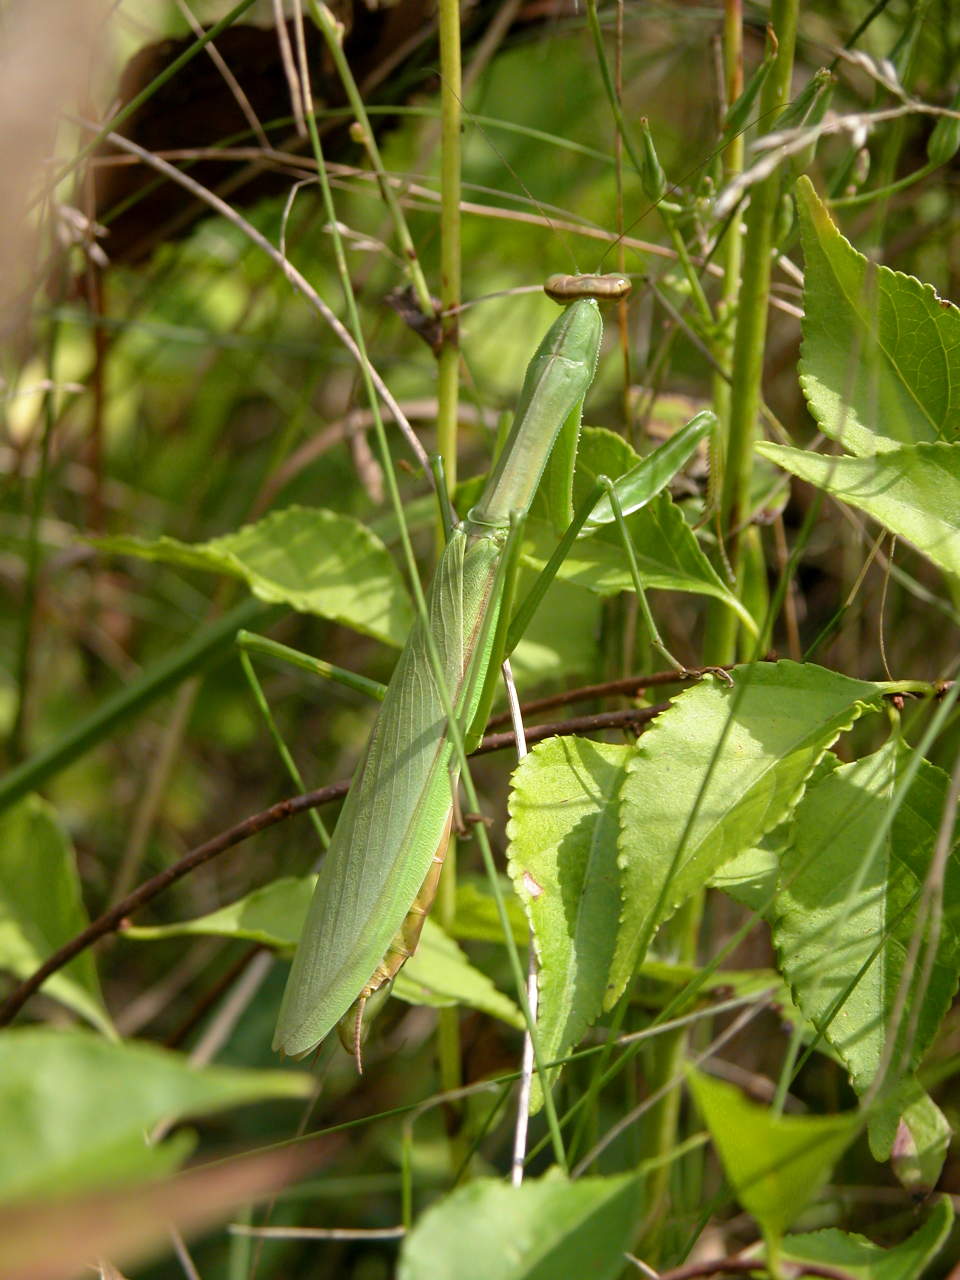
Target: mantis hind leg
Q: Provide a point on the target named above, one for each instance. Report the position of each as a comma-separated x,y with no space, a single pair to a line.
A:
402,947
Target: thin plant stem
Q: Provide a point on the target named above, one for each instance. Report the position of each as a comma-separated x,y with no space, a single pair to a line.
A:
210,644
267,648
448,366
282,749
332,33
750,338
448,395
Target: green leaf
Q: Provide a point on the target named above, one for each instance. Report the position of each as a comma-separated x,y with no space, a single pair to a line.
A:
272,916
776,1164
847,909
880,363
41,907
913,491
478,919
52,1141
560,641
858,1257
846,917
651,475
713,774
907,1127
562,857
538,1231
439,974
668,555
311,559
751,877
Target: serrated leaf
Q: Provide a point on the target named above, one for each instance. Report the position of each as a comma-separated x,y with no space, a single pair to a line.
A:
855,1256
913,491
668,555
438,974
847,908
538,1231
880,362
53,1142
712,775
751,877
41,907
313,560
845,918
562,857
776,1164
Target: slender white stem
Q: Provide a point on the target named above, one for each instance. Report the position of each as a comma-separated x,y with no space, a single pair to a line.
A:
527,1061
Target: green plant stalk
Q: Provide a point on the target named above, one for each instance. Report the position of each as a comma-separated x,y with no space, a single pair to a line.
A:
252,642
751,329
732,254
333,34
282,749
659,1134
209,644
448,395
448,368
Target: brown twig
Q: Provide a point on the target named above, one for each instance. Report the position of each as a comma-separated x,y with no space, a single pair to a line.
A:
113,919
632,717
629,686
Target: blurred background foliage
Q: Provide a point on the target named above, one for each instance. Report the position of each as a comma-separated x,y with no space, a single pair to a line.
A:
193,390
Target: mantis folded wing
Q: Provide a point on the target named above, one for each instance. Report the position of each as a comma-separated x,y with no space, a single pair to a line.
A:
395,823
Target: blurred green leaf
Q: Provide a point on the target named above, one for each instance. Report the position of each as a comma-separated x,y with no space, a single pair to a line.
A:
54,1138
41,907
858,1257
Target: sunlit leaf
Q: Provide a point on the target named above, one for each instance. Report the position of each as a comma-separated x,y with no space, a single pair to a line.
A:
488,1230
776,1164
913,491
712,775
313,560
880,362
562,855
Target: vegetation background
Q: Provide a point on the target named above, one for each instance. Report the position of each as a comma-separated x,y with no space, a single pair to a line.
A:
162,378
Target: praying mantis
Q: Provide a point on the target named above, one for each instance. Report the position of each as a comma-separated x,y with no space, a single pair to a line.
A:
381,870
